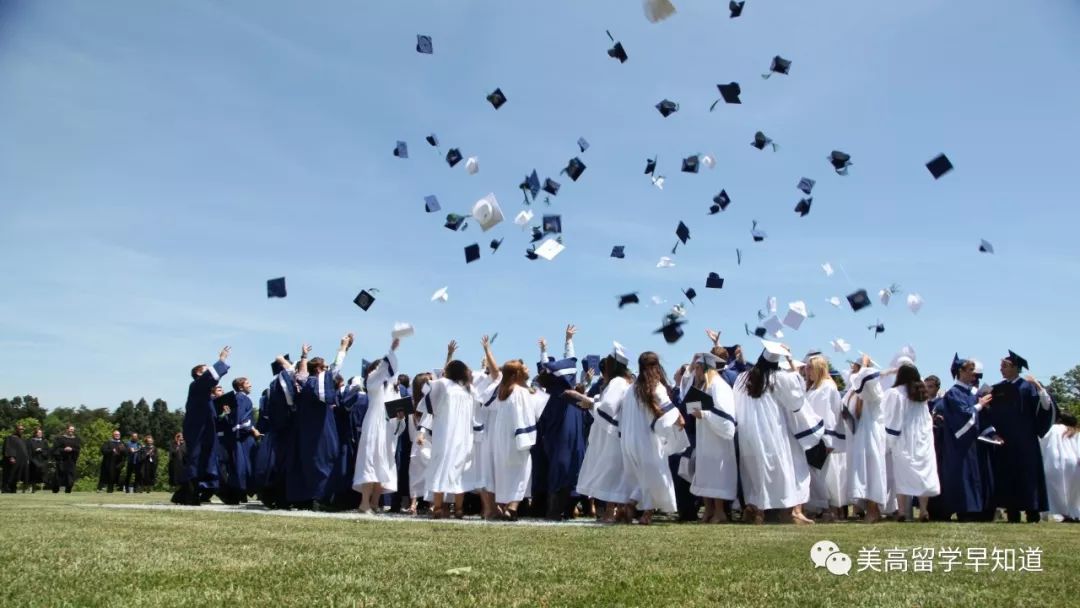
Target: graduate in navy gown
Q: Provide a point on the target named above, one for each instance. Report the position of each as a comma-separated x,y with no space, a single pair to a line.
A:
309,470
562,425
200,436
685,501
278,443
934,505
349,417
1021,413
966,479
403,455
263,454
240,436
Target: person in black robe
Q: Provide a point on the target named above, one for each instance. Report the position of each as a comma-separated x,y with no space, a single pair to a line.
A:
1021,412
146,464
176,460
934,506
113,457
131,474
403,455
65,451
38,447
16,460
685,501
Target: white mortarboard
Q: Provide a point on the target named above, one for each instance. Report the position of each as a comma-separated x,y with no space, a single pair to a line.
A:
796,314
523,217
885,295
827,267
773,325
914,302
835,301
402,330
774,351
658,182
487,212
840,346
657,300
440,295
665,262
658,10
708,161
549,249
472,165
770,304
619,353
906,355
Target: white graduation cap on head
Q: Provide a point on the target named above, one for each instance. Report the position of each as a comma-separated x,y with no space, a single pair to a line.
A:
523,217
796,315
770,304
885,296
549,249
774,351
402,330
658,182
472,165
773,326
487,212
827,267
708,161
658,10
906,355
440,295
914,302
840,345
835,301
665,262
620,353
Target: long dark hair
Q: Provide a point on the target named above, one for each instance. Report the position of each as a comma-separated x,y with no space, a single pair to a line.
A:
611,368
418,382
650,375
759,377
908,377
457,371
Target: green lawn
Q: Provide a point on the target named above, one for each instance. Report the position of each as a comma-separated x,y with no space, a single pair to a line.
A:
57,553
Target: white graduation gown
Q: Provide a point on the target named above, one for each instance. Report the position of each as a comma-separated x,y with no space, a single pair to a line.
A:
512,433
375,462
716,472
601,475
866,445
1061,463
647,442
452,408
911,433
478,469
828,485
420,455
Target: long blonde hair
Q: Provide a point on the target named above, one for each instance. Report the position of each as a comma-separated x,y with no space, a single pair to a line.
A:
817,372
514,373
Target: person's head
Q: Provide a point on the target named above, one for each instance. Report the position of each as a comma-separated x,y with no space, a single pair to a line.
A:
650,375
339,381
70,431
759,378
19,429
134,436
198,370
178,439
217,392
39,433
456,371
374,365
514,373
611,368
734,353
704,368
419,381
817,372
933,385
317,366
907,376
965,372
403,380
1070,423
116,435
149,440
242,385
1009,369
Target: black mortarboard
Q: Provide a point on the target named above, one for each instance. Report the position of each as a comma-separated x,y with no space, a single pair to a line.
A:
275,288
551,186
720,202
431,204
803,207
840,161
650,166
275,367
758,235
1020,362
403,405
714,281
760,141
531,253
672,330
859,300
736,8
690,294
433,140
423,44
760,332
401,150
617,51
574,168
729,93
552,223
779,65
939,166
879,328
738,257
618,251
531,185
629,298
364,300
495,244
957,363
682,232
454,221
537,234
496,98
986,247
817,455
228,399
582,144
690,164
806,185
667,107
453,157
472,253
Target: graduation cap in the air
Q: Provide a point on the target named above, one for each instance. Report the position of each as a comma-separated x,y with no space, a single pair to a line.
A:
858,300
879,328
803,207
552,223
690,294
531,185
714,281
401,150
364,300
682,232
582,144
574,168
550,248
738,257
276,368
618,251
275,288
939,166
779,65
423,44
985,246
658,10
442,294
760,141
1020,362
433,140
472,165
759,332
690,164
629,298
551,186
840,161
472,253
431,204
487,212
720,202
736,8
758,235
455,222
616,52
806,185
453,157
914,303
537,234
495,244
650,166
671,329
531,253
496,98
729,93
667,107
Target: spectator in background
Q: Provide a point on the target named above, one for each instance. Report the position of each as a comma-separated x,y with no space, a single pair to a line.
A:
113,456
38,448
133,448
16,459
146,463
176,460
66,453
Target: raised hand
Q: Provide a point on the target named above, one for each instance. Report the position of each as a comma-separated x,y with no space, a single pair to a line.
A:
543,344
570,331
451,348
395,344
304,350
986,399
714,336
224,354
485,342
347,341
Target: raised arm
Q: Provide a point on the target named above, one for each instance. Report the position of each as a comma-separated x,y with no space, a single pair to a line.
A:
568,345
489,358
343,347
451,348
301,365
543,350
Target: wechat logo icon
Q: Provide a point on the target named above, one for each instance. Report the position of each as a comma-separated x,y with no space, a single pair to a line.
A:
826,554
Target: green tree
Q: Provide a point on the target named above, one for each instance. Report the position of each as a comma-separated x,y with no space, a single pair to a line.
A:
92,435
29,424
132,418
1065,390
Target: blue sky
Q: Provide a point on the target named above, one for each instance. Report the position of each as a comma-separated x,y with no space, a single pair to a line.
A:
161,160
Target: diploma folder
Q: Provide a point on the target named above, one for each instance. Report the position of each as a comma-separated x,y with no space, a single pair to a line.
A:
700,397
228,399
404,405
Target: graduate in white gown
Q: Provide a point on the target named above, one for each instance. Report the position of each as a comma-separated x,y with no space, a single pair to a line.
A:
1061,464
480,467
420,440
512,434
911,433
866,441
376,468
452,403
601,474
652,430
828,485
716,471
775,427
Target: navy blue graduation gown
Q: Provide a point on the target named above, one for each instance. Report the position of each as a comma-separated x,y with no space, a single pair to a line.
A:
684,499
966,483
199,428
280,410
262,459
1020,420
240,441
562,425
351,401
317,446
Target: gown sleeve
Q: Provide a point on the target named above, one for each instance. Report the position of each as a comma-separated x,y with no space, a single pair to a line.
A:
672,438
386,370
893,409
720,418
524,411
607,409
435,392
804,424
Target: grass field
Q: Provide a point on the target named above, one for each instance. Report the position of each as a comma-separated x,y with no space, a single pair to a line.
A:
58,552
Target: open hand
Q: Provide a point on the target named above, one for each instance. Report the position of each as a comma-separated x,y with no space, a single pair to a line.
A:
451,348
714,336
395,344
570,331
224,354
304,350
543,344
986,399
